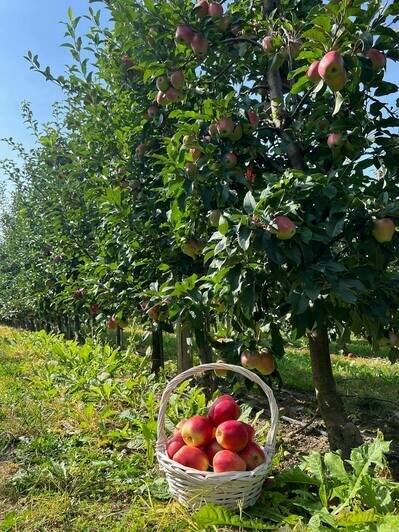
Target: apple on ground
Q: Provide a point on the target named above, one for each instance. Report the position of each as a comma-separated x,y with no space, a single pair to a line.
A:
227,460
196,431
252,455
174,444
192,457
223,410
232,435
383,230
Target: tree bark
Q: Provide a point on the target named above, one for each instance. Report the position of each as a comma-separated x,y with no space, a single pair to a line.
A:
157,350
342,433
184,357
119,337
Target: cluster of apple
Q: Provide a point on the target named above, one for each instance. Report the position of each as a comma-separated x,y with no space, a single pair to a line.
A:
199,44
261,360
331,68
169,91
217,441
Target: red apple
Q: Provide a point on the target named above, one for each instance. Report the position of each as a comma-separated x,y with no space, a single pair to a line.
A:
196,431
286,228
223,23
331,65
184,34
264,362
192,457
192,248
112,323
174,444
335,141
253,120
223,410
377,58
226,460
313,71
250,431
247,359
95,309
162,83
162,99
201,8
199,45
173,95
225,126
383,230
177,79
338,82
177,429
232,435
215,10
229,160
212,449
267,44
252,455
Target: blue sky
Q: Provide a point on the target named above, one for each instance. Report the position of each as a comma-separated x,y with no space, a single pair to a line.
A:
35,25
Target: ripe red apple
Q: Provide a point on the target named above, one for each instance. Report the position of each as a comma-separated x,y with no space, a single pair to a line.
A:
338,82
184,34
252,455
196,431
178,427
199,45
264,362
331,65
383,230
226,460
177,79
229,160
212,449
215,10
247,359
313,71
152,111
162,83
201,8
377,58
335,141
286,228
253,120
223,23
267,44
232,435
192,457
225,126
250,431
174,444
223,410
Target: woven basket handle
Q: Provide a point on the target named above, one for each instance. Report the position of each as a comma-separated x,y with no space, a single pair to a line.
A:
196,370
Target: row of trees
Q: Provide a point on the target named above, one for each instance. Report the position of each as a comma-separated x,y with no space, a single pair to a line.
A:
199,176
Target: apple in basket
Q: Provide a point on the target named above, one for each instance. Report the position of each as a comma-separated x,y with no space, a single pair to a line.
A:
226,460
197,431
192,457
223,409
232,435
252,455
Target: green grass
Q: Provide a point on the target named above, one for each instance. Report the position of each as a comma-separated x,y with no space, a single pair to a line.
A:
78,428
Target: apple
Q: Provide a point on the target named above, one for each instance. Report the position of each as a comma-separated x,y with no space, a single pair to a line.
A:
225,126
95,309
331,65
237,133
162,83
174,444
212,449
195,153
313,71
383,230
192,457
192,248
177,429
252,455
213,129
253,120
215,10
223,410
226,460
229,160
184,34
214,217
152,111
173,95
264,362
338,82
199,45
224,23
267,44
377,58
335,141
250,431
232,435
162,99
177,79
247,359
196,431
286,228
220,372
79,294
140,151
201,8
127,61
190,169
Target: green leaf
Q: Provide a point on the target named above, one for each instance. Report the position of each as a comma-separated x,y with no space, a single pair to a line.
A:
249,203
385,87
211,515
339,100
244,237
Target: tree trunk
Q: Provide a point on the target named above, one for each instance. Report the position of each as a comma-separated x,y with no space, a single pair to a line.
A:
342,433
78,334
205,354
157,350
119,337
184,357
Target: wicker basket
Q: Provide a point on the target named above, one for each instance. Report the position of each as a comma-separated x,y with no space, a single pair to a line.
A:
233,489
